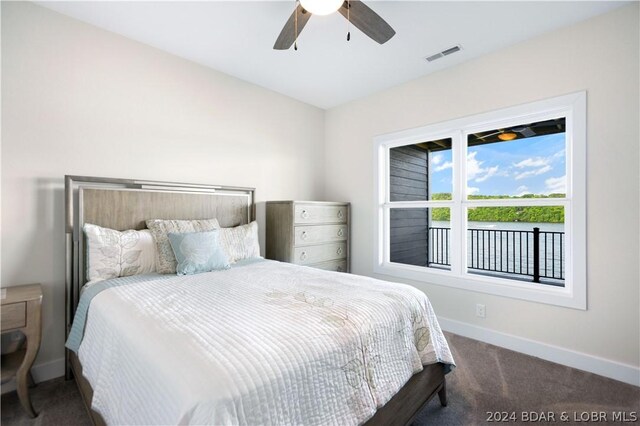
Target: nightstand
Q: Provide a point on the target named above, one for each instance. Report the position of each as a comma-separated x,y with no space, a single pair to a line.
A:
22,310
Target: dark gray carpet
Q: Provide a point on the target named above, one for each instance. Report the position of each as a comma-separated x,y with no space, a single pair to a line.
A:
57,401
487,378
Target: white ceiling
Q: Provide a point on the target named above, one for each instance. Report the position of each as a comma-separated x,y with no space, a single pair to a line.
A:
236,37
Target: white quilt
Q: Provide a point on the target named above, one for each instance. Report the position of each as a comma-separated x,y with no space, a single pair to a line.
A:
267,343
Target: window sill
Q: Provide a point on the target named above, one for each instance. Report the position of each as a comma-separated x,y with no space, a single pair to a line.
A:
540,293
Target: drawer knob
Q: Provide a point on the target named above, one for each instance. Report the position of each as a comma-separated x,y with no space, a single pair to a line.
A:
303,255
340,214
304,214
340,233
303,235
339,251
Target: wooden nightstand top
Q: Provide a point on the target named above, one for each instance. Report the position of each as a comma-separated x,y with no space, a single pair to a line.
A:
22,293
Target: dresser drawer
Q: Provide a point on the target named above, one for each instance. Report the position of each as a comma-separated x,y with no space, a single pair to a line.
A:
320,234
13,316
315,254
333,265
311,213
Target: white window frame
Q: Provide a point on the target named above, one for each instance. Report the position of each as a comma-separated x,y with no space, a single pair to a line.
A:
574,292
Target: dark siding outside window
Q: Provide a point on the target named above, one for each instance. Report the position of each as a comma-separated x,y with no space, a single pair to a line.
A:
409,227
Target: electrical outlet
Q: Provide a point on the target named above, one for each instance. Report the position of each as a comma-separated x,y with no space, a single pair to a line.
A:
480,310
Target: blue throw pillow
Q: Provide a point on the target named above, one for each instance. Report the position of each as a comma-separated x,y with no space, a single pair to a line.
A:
198,252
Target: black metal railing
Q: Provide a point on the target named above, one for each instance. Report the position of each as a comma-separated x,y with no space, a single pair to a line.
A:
537,254
439,246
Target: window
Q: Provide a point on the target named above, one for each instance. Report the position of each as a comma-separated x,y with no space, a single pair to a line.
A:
492,203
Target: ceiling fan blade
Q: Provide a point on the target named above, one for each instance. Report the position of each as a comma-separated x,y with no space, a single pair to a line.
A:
527,132
367,21
288,34
489,135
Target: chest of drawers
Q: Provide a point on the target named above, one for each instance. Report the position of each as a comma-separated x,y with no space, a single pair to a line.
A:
310,233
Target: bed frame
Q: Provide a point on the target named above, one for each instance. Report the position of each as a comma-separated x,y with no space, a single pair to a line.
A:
126,204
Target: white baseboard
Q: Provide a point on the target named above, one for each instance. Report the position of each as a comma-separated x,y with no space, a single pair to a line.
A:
581,361
40,372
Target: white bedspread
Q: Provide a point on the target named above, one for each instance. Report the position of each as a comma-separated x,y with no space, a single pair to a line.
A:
267,343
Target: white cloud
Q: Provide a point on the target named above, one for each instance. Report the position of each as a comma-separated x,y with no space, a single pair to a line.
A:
472,190
490,172
436,159
557,185
540,164
535,172
473,165
558,154
532,162
443,166
522,190
475,171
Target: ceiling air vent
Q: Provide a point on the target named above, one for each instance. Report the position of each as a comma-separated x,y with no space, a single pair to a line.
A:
444,53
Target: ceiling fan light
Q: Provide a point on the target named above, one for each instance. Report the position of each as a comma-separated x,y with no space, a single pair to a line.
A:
321,7
508,136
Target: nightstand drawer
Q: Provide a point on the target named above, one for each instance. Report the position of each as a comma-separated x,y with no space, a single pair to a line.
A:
334,265
320,234
14,315
311,213
315,254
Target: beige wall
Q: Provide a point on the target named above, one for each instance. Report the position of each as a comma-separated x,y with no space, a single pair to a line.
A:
599,56
80,100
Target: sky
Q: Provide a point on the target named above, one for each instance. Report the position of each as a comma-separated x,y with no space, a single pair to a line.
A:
523,166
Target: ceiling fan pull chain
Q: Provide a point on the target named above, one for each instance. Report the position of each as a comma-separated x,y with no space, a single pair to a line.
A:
295,42
348,20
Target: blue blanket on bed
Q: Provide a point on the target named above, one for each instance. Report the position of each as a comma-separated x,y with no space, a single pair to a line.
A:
80,318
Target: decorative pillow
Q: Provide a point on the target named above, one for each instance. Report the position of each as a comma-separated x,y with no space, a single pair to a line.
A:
113,254
161,228
241,242
198,252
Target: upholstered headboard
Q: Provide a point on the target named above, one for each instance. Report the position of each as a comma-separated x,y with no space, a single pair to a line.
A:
127,203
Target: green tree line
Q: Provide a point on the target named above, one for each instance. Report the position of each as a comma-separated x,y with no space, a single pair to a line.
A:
532,214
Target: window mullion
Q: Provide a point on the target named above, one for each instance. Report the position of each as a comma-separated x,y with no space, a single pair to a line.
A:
457,244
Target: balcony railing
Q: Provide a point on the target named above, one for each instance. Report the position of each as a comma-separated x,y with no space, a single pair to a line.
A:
536,254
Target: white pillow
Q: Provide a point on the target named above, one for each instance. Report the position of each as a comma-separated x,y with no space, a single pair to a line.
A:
241,242
113,254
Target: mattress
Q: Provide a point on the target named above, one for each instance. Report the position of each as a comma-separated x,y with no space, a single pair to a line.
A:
262,343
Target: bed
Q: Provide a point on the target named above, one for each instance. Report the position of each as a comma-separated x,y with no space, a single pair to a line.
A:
261,343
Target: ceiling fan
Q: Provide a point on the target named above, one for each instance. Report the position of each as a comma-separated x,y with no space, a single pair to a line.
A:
356,12
508,134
